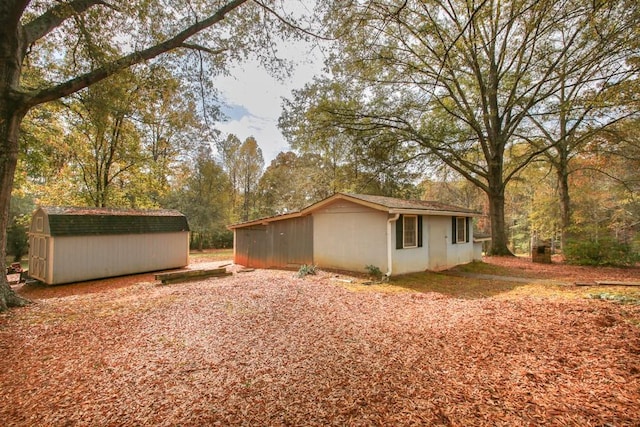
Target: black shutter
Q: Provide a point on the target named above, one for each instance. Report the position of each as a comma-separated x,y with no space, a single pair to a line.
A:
419,231
454,234
399,234
468,224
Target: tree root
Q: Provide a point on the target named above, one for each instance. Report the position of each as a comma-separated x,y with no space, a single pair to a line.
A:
8,297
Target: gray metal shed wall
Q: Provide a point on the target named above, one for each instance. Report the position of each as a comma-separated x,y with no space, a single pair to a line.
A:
283,243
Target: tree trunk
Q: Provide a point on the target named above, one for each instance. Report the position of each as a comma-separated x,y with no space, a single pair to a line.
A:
499,239
10,118
565,201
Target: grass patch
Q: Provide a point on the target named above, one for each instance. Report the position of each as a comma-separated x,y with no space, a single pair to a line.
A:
496,270
456,287
212,254
533,286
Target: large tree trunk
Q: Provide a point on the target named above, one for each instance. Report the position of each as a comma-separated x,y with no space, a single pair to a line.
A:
495,193
10,118
565,201
11,113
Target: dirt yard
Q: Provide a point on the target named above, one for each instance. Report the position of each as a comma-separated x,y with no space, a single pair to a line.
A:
266,348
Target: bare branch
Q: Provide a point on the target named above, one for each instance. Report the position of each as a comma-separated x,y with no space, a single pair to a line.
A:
203,48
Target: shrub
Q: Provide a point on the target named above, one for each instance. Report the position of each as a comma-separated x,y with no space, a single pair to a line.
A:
306,270
374,272
604,252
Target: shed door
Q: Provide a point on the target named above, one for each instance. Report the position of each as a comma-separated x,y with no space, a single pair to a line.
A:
38,257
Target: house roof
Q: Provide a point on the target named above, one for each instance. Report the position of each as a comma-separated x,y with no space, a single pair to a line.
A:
388,204
72,221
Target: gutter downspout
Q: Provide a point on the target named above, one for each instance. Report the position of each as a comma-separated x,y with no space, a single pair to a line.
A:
389,246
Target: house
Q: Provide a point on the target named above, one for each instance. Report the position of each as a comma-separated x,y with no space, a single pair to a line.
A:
352,231
77,244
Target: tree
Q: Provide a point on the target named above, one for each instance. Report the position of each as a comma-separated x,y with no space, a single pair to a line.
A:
202,195
228,152
348,158
250,164
94,40
104,140
458,79
290,183
595,88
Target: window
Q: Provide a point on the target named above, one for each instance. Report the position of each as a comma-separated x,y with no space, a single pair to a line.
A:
410,231
461,228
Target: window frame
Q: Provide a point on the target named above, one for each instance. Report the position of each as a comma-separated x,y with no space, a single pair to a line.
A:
414,219
461,220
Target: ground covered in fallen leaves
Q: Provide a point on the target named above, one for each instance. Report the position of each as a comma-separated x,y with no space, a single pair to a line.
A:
269,348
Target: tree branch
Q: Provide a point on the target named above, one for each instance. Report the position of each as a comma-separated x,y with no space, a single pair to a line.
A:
52,18
94,76
203,48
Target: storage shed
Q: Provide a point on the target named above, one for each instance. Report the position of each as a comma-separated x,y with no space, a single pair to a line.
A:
77,244
351,231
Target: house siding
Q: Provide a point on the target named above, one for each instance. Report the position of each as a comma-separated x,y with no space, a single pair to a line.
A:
349,236
437,253
351,231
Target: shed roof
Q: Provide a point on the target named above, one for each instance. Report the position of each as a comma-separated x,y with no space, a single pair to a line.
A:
68,221
391,205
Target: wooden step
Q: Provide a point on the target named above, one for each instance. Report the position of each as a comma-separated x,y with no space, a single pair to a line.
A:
186,275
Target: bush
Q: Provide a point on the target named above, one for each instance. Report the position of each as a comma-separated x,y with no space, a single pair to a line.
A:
306,270
374,272
604,252
17,241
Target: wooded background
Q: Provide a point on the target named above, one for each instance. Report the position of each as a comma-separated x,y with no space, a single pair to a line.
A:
524,110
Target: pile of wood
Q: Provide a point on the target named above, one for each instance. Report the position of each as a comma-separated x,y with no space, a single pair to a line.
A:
186,275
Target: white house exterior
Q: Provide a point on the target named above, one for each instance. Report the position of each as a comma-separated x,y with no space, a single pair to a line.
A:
78,244
351,231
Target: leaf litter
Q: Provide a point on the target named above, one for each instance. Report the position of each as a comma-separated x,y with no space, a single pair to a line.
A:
268,348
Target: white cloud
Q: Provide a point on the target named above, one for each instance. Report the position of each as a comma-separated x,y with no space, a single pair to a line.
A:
253,99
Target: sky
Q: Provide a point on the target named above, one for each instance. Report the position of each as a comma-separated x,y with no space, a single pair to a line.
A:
253,99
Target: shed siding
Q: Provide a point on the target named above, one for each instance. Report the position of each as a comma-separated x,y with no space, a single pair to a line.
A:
350,236
81,258
77,244
285,243
251,246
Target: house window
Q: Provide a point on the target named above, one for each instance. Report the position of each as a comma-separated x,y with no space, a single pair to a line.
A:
410,231
461,229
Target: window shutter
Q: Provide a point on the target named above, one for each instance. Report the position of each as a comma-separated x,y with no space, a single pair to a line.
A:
454,231
419,231
468,224
399,235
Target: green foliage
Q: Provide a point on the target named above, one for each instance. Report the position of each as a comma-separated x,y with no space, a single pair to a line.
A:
202,194
306,269
622,299
215,239
374,271
17,238
17,241
603,252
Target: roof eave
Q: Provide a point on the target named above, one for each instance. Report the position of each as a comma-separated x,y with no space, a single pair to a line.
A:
265,221
432,212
